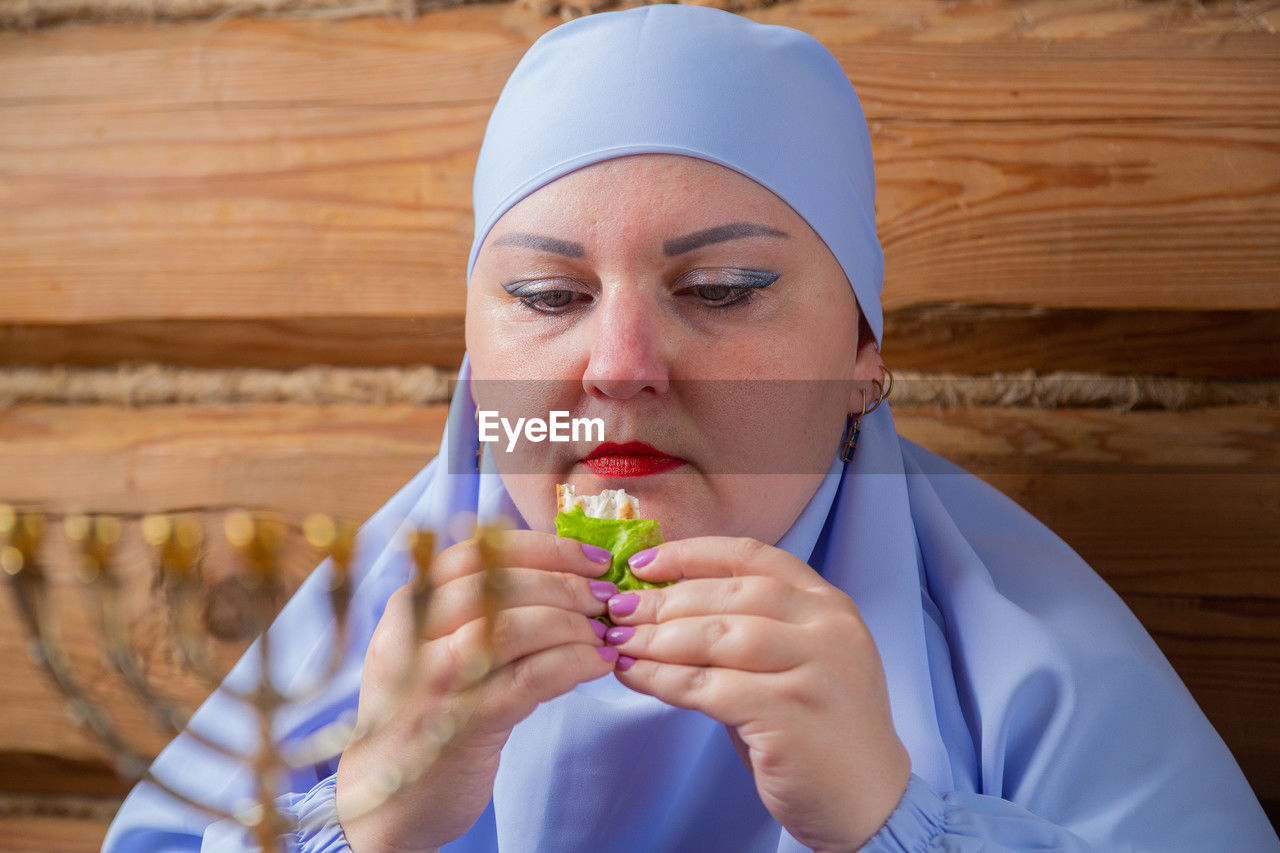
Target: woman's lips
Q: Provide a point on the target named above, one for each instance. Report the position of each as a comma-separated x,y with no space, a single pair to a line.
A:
633,459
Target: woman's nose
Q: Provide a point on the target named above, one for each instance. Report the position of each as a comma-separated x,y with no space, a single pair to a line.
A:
627,349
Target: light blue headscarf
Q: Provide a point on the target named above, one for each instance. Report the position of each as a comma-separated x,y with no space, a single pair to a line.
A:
1037,712
770,102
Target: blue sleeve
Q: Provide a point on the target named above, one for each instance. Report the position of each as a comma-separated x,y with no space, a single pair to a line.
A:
927,821
314,812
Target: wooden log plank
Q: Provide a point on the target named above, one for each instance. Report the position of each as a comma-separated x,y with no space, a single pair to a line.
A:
376,223
921,21
1037,23
48,774
117,459
977,339
1018,81
462,58
280,343
925,21
996,440
912,59
1184,503
951,337
52,834
1101,216
298,184
1163,533
1086,215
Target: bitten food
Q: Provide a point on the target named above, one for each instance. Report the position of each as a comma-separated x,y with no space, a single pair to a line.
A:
610,520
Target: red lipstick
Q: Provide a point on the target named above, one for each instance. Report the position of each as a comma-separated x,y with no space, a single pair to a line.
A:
633,459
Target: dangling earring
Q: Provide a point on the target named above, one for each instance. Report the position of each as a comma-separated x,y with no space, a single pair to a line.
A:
851,432
479,444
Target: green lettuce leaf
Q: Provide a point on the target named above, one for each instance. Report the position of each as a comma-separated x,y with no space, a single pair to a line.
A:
623,537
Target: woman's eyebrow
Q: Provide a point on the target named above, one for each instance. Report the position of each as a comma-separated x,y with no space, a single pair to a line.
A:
732,231
678,246
542,244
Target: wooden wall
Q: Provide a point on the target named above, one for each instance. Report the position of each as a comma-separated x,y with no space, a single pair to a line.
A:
1067,185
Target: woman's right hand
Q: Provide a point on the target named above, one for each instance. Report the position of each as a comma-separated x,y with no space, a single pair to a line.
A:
545,646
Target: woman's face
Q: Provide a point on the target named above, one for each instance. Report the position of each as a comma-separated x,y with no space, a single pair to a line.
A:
691,310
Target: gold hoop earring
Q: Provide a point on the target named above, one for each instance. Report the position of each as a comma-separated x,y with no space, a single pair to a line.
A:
884,389
854,427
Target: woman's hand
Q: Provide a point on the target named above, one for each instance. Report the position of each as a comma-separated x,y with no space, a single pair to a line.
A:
756,639
545,645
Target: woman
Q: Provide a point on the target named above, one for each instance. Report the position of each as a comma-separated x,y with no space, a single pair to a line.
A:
868,649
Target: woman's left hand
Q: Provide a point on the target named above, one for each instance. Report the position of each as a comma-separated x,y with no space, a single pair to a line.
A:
756,639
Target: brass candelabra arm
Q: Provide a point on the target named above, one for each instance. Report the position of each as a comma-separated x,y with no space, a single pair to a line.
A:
259,539
20,535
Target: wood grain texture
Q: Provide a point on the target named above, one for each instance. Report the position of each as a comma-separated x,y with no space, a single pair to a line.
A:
52,834
977,339
281,343
929,21
39,774
283,457
1084,215
1159,503
262,170
946,337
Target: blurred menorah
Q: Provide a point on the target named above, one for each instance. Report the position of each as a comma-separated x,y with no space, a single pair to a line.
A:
176,568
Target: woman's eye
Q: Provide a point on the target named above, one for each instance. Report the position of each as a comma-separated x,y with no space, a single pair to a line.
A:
741,288
552,300
715,292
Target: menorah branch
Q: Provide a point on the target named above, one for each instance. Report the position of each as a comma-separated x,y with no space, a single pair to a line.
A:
177,571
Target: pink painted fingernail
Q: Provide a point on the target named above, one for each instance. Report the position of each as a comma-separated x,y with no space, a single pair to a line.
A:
596,554
624,605
599,627
603,590
619,635
640,559
624,661
609,653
